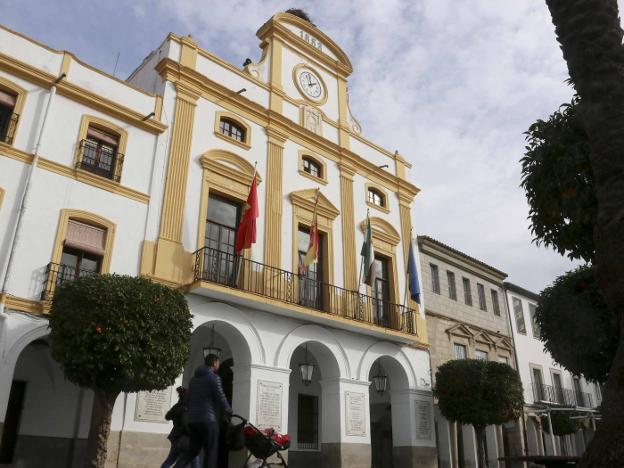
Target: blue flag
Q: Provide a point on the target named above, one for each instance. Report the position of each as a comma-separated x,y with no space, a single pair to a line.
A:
412,275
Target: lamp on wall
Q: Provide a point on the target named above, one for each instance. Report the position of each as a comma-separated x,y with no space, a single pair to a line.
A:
306,369
211,348
380,381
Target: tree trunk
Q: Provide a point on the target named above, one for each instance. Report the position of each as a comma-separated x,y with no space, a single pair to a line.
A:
482,461
99,430
591,40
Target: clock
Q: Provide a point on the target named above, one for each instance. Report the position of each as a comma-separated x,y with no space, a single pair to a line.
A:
310,84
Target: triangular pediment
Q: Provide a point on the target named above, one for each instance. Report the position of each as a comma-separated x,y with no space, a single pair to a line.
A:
504,343
485,338
305,199
460,330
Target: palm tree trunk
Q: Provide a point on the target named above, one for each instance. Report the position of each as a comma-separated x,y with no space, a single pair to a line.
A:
103,403
591,40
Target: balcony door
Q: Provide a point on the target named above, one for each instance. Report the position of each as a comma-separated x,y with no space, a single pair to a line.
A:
381,292
310,277
222,221
83,251
538,384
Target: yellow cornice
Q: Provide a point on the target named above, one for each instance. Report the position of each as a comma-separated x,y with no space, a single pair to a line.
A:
79,94
76,174
22,304
274,28
260,115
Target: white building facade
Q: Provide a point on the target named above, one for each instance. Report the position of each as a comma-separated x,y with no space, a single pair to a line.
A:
547,386
149,177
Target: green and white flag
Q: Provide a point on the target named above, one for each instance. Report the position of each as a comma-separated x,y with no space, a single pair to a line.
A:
369,270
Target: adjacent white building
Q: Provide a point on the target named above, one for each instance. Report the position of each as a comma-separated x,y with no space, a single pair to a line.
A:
547,386
148,176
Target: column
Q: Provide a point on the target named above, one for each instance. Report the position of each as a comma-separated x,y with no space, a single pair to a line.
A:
274,199
170,263
445,445
345,424
492,446
470,446
413,429
347,215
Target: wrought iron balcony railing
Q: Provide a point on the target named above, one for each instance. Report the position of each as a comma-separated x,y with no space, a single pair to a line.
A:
561,396
8,124
57,274
235,271
101,160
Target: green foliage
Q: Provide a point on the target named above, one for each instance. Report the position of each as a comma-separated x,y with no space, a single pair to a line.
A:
298,12
478,392
562,424
119,333
578,329
559,183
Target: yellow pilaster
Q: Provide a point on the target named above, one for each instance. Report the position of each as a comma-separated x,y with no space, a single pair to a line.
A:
274,191
276,101
343,114
348,226
171,262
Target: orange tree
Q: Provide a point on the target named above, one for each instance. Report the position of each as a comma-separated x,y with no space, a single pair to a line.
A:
116,334
480,393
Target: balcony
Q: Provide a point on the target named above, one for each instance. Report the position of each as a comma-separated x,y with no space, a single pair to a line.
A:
236,272
8,124
561,396
100,160
57,274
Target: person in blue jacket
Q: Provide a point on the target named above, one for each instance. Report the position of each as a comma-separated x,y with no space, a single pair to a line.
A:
205,398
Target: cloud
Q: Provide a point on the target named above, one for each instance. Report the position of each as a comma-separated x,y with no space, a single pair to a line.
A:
452,85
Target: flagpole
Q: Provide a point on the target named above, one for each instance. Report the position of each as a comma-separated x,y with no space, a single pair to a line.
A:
240,255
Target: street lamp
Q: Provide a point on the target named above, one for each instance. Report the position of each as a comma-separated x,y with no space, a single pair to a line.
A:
306,369
211,348
380,381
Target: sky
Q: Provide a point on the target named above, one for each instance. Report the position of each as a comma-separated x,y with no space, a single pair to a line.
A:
451,84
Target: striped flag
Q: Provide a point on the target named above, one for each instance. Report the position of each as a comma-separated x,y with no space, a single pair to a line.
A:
311,255
369,269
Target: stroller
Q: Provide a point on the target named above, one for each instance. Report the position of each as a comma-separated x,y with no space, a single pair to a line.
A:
262,444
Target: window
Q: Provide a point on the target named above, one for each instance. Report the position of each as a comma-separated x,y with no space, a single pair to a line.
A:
467,293
310,277
481,294
222,221
8,117
459,350
578,392
495,302
452,291
232,129
481,355
558,387
312,167
375,197
82,252
534,324
435,278
538,383
307,422
99,153
382,291
519,314
503,359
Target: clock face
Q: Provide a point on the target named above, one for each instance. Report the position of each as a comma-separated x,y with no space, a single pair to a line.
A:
310,84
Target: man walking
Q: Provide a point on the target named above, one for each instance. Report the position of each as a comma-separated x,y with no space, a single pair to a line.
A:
205,397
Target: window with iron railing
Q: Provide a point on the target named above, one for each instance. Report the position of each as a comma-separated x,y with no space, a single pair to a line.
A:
381,291
8,117
222,221
99,155
310,276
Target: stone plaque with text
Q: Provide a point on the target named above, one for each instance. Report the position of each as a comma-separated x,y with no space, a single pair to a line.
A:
423,420
152,406
269,405
355,406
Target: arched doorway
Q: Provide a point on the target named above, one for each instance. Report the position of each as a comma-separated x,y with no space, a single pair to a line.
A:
389,411
235,358
48,417
313,409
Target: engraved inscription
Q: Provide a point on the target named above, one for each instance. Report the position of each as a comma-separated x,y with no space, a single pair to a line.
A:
269,405
152,406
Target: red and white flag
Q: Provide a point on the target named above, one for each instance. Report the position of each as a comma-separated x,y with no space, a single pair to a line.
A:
246,234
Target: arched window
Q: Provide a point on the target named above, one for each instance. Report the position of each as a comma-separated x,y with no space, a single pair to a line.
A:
377,198
232,129
312,167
